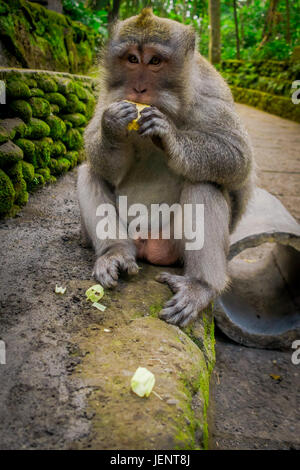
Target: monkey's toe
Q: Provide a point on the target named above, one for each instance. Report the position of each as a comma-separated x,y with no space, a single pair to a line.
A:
191,297
106,274
108,267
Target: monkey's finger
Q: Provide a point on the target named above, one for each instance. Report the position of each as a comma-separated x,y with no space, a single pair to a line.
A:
129,265
189,315
170,279
104,277
183,317
154,119
151,111
172,301
127,116
124,105
152,131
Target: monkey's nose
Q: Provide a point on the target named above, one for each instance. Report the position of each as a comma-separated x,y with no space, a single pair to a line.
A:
139,90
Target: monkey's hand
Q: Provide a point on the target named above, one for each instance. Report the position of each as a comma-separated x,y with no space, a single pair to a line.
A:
116,118
191,297
154,123
108,266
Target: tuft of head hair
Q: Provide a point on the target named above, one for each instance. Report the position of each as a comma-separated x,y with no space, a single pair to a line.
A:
149,28
145,17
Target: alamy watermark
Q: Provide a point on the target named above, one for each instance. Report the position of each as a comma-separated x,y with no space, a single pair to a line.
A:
179,222
296,93
2,352
2,92
296,354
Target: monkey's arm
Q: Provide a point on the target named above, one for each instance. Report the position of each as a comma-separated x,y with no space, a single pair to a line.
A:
108,149
215,148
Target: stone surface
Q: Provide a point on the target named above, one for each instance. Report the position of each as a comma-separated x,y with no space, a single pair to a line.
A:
66,383
251,409
269,317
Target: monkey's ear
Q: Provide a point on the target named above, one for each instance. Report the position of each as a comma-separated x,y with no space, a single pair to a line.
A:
189,38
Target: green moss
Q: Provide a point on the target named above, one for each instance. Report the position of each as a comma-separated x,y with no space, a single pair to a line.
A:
22,194
90,106
81,92
31,83
65,85
9,154
28,148
73,104
10,128
76,119
54,109
40,107
57,127
45,172
20,128
56,98
52,179
27,171
72,157
47,84
73,139
15,173
37,182
63,165
279,105
43,149
37,129
58,149
52,165
81,108
81,156
21,109
7,194
155,309
37,92
16,89
4,134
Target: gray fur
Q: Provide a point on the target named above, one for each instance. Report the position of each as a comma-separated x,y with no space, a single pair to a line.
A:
191,147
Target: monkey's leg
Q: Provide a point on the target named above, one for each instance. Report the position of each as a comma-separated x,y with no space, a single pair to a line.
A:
205,270
112,255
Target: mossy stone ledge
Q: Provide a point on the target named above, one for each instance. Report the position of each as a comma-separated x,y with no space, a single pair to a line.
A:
31,36
266,85
41,127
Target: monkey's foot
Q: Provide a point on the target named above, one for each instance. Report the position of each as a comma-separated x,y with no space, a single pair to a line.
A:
191,297
107,267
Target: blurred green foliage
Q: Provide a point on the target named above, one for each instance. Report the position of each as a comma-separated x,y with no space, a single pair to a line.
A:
251,18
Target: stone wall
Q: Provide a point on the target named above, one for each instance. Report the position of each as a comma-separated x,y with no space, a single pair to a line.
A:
267,85
32,36
41,131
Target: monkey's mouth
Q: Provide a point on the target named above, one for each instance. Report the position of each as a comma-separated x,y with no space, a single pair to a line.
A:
139,99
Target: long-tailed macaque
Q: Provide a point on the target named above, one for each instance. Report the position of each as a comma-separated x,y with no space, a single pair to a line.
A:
190,148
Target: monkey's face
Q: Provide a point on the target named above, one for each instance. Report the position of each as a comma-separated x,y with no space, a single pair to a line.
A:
148,74
144,68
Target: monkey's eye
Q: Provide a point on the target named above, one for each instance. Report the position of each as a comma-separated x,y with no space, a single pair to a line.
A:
155,60
133,59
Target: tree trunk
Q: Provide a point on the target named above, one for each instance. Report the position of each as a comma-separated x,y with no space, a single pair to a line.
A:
214,10
269,23
114,12
288,22
237,36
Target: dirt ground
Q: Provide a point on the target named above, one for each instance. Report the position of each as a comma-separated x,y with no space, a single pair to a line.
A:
42,405
251,410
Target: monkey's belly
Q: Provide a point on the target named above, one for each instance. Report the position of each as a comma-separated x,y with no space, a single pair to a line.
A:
161,252
150,181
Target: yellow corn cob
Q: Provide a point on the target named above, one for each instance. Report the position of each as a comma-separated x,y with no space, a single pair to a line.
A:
133,125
